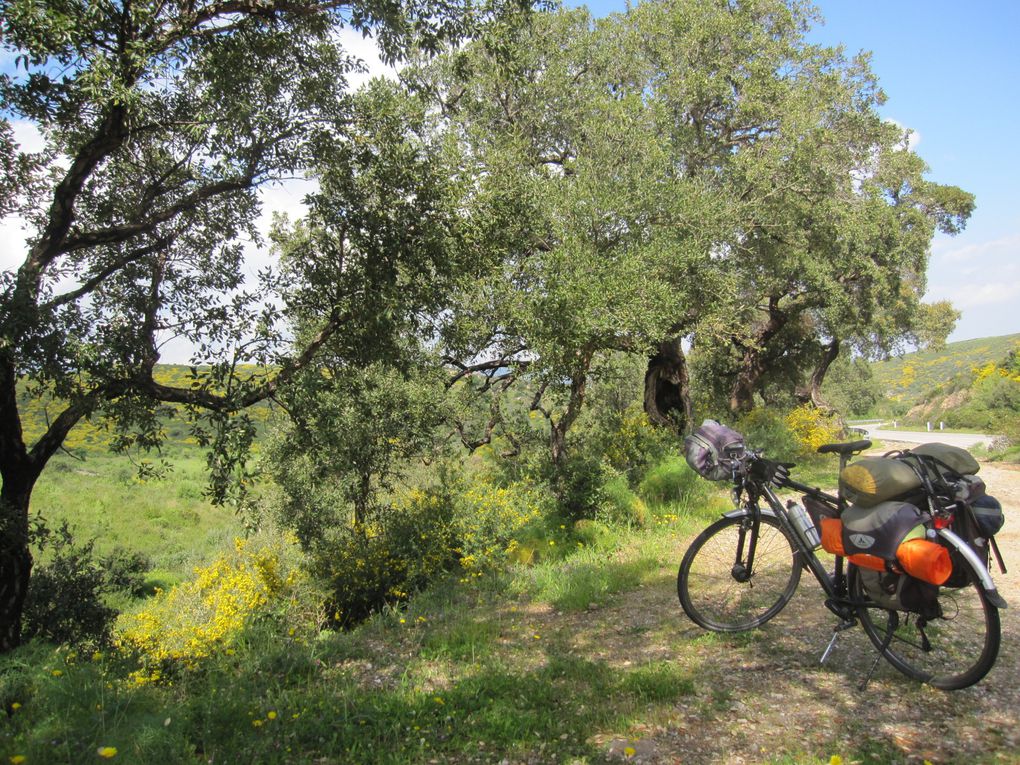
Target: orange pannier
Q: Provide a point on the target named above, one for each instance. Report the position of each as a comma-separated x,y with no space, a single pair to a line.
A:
832,536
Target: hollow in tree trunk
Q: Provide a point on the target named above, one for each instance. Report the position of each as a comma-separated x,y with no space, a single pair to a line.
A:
667,387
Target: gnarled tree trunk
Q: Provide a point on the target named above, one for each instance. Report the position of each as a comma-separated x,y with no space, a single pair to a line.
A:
753,361
15,557
668,387
812,392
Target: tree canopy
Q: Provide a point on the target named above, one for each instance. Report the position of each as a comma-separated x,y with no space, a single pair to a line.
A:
161,120
537,200
685,170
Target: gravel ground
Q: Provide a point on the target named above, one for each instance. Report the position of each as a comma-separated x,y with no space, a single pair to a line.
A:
764,698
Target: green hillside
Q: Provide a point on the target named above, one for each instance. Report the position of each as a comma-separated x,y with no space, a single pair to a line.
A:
911,378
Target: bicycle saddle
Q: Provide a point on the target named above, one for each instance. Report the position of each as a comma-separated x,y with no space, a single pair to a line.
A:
853,447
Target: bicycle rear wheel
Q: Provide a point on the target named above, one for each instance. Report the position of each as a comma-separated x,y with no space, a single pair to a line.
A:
718,592
951,651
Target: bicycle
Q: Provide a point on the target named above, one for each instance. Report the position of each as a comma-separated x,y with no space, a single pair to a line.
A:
744,568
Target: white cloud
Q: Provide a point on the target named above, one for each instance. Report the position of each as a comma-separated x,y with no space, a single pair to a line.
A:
367,51
27,135
1006,245
966,295
911,138
12,243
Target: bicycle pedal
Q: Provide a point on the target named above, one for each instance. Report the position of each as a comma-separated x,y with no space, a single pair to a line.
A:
845,624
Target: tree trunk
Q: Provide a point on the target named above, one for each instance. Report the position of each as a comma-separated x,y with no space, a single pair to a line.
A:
15,558
668,387
578,390
742,394
812,392
753,363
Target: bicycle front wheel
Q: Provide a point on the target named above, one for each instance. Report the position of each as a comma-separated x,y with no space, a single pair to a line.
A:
950,651
718,590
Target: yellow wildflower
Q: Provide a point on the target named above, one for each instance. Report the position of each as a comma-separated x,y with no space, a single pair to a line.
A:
15,706
629,751
271,715
18,759
57,673
107,752
835,760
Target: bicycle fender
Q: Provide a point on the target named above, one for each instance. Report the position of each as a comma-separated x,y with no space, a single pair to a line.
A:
986,578
742,511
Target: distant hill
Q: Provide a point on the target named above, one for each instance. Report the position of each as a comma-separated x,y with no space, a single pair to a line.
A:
913,377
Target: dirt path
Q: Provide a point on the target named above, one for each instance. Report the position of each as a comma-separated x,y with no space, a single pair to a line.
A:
762,697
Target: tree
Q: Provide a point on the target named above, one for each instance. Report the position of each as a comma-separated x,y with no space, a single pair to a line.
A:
383,234
161,121
832,216
597,243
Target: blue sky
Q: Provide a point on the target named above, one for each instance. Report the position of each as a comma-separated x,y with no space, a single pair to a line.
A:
951,72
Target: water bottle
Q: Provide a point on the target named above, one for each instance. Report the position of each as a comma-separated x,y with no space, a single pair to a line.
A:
802,523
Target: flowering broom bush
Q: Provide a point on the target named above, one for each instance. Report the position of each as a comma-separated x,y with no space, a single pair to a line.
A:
490,518
813,428
187,624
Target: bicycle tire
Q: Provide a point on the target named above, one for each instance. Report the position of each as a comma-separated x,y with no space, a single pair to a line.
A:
963,640
711,593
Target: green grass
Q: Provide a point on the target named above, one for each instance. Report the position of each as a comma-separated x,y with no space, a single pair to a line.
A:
278,700
168,519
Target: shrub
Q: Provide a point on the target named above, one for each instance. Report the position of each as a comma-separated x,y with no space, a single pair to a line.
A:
766,430
672,481
579,485
400,550
627,440
813,428
189,623
489,521
64,603
621,505
125,571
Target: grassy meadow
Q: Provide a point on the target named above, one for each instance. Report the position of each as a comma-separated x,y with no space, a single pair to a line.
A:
167,519
477,668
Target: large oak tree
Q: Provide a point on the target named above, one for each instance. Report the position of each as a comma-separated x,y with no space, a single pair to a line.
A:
161,120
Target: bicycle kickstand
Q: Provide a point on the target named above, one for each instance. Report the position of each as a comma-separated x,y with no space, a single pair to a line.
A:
881,652
842,626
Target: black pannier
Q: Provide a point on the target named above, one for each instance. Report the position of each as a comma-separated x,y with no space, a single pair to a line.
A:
901,592
880,529
988,514
709,448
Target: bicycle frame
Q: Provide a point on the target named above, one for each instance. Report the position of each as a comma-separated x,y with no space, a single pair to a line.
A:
834,584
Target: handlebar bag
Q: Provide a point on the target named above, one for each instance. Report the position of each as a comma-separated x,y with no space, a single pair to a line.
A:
709,448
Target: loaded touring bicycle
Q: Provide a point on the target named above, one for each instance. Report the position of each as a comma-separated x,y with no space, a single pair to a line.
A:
912,533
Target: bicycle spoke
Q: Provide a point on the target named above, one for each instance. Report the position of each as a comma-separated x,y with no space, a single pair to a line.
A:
712,593
951,651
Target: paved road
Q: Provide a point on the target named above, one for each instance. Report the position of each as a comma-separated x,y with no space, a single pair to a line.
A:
964,440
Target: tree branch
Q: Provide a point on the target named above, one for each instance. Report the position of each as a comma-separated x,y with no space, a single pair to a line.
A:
101,276
118,234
